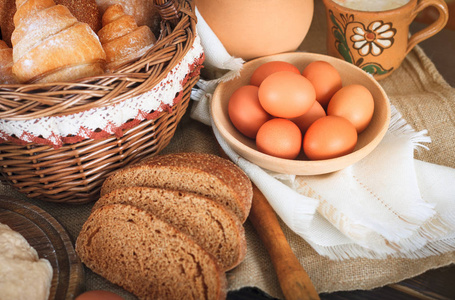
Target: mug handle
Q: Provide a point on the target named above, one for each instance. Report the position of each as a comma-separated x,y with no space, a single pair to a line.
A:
433,28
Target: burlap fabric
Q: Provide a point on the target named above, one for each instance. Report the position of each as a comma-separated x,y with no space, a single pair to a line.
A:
424,99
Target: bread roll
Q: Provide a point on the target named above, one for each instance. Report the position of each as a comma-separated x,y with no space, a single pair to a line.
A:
23,275
85,11
122,40
50,45
201,173
143,11
147,256
209,224
7,11
6,64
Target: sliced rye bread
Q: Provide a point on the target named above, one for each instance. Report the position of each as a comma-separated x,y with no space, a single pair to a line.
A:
208,223
147,256
201,173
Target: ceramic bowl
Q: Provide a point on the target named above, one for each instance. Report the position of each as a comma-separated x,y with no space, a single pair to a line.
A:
246,147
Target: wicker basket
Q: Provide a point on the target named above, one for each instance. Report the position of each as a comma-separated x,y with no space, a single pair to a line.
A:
73,171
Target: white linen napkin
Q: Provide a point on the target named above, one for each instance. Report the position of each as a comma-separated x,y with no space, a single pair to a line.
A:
216,56
387,204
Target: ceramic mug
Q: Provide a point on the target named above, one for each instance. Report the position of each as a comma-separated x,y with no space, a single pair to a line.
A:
378,41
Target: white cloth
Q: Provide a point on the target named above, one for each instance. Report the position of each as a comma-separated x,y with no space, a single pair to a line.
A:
387,204
216,58
216,55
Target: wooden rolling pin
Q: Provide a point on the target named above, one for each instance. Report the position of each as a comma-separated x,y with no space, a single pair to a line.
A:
294,280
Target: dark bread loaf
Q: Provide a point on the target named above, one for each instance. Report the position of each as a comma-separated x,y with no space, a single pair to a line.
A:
147,256
204,174
209,224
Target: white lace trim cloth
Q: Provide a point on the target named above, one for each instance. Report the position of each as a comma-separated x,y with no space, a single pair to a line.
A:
110,118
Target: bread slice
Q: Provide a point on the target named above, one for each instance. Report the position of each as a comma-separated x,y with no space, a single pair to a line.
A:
147,256
208,223
201,173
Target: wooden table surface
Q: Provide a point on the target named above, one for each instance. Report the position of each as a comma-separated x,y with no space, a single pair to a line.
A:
434,284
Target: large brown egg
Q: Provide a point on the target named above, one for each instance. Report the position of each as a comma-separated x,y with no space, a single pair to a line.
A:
329,137
98,295
254,28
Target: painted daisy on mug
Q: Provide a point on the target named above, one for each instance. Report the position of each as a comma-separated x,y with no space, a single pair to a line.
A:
374,39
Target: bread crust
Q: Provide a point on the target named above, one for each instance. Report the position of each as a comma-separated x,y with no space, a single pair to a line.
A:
143,11
147,256
122,40
85,11
208,223
205,174
50,45
6,64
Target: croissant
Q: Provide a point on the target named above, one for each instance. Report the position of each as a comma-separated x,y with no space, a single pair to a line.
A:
143,11
50,45
6,64
86,11
122,40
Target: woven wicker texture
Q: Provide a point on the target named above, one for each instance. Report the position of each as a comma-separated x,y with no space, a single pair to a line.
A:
74,172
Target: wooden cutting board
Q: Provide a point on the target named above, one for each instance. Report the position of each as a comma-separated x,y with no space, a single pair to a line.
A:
50,240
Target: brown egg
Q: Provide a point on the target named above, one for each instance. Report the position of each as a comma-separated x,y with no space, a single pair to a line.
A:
268,68
304,121
286,94
98,295
245,111
280,138
355,103
254,28
325,79
329,137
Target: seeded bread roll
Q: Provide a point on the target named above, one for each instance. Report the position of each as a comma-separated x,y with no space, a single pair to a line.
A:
147,256
209,224
204,174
